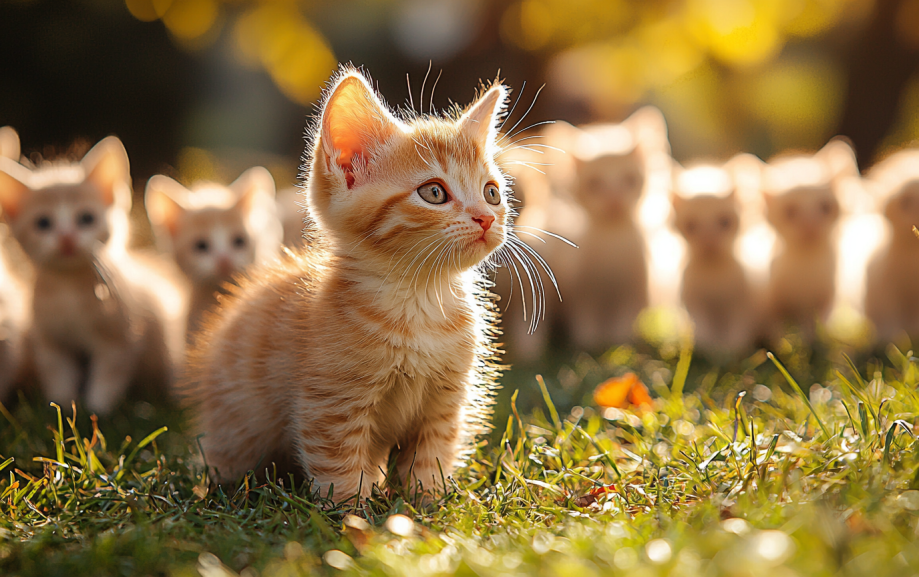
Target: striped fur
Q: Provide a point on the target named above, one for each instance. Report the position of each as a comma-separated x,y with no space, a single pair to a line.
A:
379,335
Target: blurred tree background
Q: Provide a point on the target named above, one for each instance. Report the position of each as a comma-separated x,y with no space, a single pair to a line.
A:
183,80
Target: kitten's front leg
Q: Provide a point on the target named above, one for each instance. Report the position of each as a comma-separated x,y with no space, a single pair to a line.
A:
58,372
342,450
428,454
110,372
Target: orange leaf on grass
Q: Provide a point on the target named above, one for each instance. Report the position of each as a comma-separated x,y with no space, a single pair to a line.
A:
622,392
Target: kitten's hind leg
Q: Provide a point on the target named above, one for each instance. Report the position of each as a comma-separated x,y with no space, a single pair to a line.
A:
58,372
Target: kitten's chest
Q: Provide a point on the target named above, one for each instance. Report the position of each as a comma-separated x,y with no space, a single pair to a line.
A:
77,311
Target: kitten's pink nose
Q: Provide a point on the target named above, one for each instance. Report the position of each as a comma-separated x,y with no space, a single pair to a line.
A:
224,266
484,221
67,245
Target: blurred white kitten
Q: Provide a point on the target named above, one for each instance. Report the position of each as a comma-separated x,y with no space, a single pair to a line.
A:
892,280
715,289
801,194
591,195
96,308
291,213
213,231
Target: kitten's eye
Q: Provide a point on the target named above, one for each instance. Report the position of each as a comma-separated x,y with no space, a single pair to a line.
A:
43,223
791,212
725,222
239,241
86,219
631,180
202,245
826,207
690,227
492,196
433,192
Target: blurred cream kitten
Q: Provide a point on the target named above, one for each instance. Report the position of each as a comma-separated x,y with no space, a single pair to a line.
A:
97,309
590,196
291,212
892,280
213,231
801,196
715,289
14,304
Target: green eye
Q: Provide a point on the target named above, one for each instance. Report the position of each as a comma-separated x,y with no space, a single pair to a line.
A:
492,196
433,192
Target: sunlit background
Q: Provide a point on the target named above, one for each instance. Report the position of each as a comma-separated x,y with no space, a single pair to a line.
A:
206,88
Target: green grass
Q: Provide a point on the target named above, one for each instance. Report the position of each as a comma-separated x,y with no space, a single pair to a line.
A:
735,472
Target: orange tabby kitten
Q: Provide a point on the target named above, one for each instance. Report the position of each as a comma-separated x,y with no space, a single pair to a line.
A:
892,287
94,304
715,290
801,194
380,335
214,232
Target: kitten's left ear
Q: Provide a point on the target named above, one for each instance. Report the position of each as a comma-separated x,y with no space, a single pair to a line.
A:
480,121
257,180
13,187
106,166
840,157
354,122
649,128
164,200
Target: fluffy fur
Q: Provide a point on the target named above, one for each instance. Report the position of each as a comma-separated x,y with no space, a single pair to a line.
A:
379,336
892,287
99,313
801,196
14,305
715,289
215,232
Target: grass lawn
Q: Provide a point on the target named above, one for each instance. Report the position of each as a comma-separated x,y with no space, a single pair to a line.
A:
738,472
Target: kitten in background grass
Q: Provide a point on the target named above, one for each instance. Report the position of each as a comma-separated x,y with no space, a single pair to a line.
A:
213,231
715,289
801,194
892,280
379,336
100,314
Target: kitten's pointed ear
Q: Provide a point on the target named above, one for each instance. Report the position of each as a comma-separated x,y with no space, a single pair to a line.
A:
840,157
9,143
107,167
165,200
13,187
354,122
255,181
649,128
480,121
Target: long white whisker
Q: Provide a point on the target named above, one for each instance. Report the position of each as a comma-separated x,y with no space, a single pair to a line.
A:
423,82
546,232
532,104
433,88
523,87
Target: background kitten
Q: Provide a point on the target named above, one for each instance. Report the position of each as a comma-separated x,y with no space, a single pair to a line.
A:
715,289
892,287
377,337
802,205
591,196
214,232
99,313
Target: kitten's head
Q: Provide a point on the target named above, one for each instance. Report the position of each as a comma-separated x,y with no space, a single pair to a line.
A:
801,192
61,214
9,143
611,163
896,179
215,231
412,191
706,210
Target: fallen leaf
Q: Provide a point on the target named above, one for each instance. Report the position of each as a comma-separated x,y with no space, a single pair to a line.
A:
622,392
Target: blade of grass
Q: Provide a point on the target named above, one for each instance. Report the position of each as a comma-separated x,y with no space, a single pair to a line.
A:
797,388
